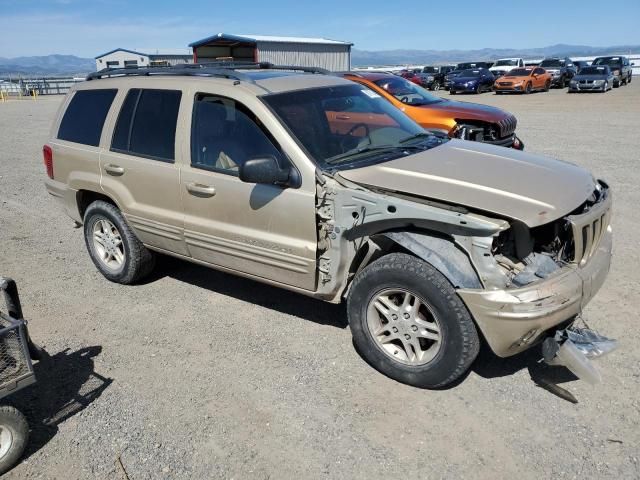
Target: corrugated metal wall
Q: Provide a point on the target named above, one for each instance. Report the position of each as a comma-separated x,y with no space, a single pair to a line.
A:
331,57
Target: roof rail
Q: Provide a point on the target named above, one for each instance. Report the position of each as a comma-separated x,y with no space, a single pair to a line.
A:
225,69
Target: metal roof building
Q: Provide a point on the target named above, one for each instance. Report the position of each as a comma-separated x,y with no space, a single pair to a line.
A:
307,52
143,57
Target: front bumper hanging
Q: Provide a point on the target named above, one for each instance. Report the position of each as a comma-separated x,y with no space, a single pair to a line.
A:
574,348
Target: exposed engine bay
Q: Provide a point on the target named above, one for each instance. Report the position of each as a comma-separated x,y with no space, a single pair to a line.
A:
529,254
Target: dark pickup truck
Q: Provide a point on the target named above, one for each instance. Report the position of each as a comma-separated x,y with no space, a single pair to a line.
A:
562,70
619,66
434,76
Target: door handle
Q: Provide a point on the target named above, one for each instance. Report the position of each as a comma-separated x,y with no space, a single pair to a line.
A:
200,190
115,170
343,117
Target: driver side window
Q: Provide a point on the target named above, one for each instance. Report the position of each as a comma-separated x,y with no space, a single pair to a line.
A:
225,134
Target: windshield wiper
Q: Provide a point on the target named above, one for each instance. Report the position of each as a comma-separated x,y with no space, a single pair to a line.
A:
377,148
416,136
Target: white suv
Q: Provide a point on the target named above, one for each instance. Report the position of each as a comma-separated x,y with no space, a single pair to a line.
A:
505,65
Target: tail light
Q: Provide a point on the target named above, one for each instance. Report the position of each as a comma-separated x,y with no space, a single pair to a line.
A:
47,153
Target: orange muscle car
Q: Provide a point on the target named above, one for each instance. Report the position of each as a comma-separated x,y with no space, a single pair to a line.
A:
523,80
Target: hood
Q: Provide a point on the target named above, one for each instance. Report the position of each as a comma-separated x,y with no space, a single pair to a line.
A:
469,111
513,78
591,76
517,185
459,79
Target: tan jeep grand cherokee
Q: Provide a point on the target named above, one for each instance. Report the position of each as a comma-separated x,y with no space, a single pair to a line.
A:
316,184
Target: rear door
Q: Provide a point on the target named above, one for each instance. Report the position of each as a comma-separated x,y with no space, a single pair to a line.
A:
267,231
139,170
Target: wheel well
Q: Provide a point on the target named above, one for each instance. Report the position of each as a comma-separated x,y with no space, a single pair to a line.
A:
84,198
433,247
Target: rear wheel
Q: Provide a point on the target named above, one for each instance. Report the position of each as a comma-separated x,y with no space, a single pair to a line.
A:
616,83
14,433
114,248
451,92
409,323
547,85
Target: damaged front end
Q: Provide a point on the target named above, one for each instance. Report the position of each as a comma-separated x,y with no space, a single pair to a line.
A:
501,134
541,278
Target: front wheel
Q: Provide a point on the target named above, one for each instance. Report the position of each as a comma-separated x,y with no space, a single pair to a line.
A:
14,433
605,87
409,323
435,86
527,89
114,248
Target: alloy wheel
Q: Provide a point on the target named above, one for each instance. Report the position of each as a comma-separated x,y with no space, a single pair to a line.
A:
108,244
404,326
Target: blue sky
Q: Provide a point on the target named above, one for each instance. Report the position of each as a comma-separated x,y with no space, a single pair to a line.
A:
90,27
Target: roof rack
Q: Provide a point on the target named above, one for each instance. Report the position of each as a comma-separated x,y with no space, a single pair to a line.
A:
225,69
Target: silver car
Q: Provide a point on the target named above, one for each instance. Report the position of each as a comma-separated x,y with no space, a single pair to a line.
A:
598,78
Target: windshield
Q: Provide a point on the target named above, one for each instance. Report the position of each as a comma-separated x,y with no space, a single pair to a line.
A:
520,72
407,92
505,63
611,61
594,70
552,62
469,73
465,66
348,125
430,70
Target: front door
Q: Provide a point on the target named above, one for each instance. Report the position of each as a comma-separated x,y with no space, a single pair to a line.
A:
267,231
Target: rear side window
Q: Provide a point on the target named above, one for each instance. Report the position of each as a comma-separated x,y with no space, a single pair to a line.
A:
146,126
84,118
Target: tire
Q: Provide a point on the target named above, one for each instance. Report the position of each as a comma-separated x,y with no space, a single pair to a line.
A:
14,434
547,85
435,86
136,262
605,87
458,343
451,92
527,89
616,83
630,78
479,89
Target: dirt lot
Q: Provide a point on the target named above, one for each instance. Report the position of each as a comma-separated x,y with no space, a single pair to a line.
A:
198,374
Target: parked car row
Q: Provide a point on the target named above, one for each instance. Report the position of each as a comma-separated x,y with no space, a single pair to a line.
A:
560,72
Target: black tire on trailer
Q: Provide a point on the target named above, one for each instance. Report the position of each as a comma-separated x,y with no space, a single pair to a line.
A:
429,314
14,434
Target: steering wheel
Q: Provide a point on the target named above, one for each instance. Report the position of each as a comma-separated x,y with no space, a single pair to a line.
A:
353,129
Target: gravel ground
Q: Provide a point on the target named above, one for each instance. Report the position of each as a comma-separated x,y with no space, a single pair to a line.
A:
198,374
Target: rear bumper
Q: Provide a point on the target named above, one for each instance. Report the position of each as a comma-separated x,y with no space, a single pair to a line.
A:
65,195
515,319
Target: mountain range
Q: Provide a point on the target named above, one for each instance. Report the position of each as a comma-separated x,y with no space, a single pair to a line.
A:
72,65
47,65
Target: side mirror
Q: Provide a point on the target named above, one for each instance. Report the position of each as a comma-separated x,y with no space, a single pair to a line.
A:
265,170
